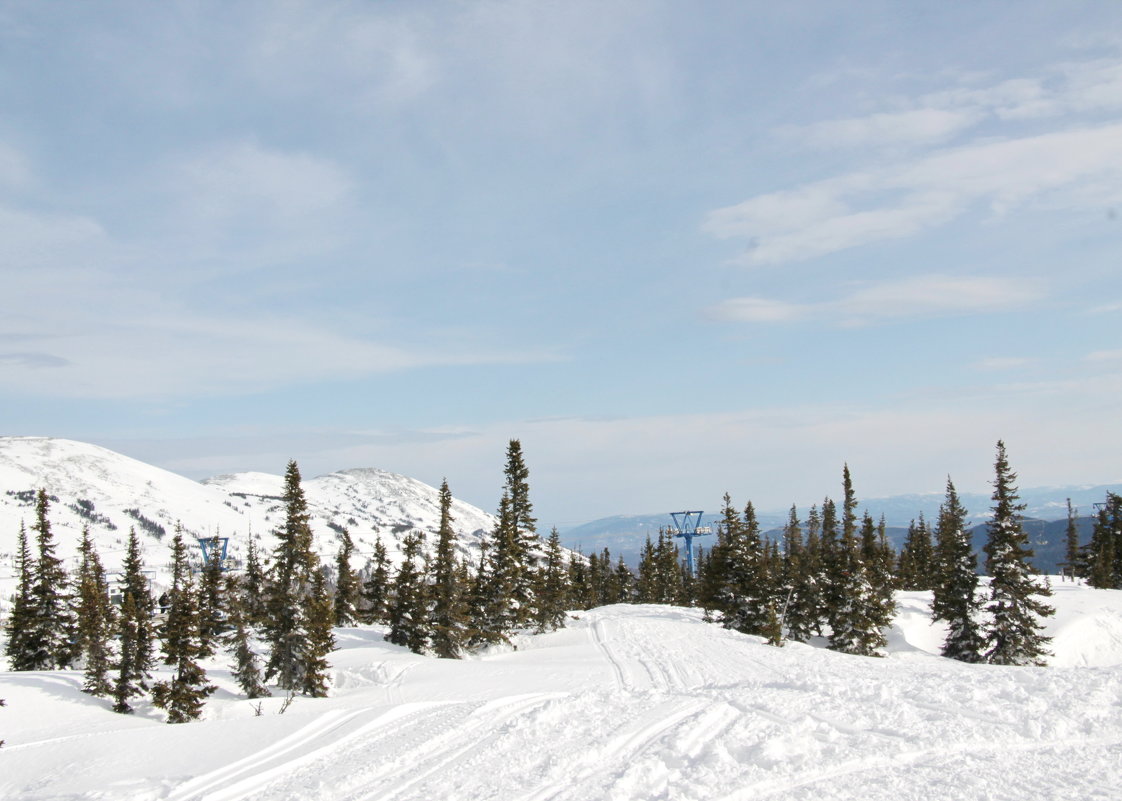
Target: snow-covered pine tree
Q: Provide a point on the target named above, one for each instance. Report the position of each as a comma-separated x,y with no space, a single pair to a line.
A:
625,581
288,589
375,590
19,621
346,583
744,601
321,640
955,596
1071,567
496,612
408,617
855,612
95,619
553,591
47,642
448,612
1014,635
580,589
183,695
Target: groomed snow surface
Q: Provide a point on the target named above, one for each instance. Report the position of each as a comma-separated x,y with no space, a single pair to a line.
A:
628,702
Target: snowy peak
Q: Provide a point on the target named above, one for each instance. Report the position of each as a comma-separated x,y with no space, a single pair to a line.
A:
108,492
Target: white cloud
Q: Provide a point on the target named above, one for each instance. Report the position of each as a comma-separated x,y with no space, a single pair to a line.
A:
900,201
920,296
914,126
1104,356
1001,363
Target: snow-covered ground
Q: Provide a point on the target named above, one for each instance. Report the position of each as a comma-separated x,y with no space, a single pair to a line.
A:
628,702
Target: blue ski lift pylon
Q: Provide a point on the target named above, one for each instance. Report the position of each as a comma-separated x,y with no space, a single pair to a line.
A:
214,548
687,525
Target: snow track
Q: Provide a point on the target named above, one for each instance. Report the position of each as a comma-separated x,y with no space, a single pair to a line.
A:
642,702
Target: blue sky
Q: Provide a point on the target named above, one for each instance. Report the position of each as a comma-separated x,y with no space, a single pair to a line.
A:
676,249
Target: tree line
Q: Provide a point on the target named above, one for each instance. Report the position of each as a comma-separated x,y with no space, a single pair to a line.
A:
832,574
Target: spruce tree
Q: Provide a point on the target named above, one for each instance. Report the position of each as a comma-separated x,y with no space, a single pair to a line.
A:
523,535
21,617
1014,635
346,583
408,618
47,642
136,620
800,607
499,609
745,598
954,599
448,613
321,639
1070,567
247,669
95,619
1104,551
127,685
580,588
375,590
289,587
916,570
552,592
183,695
211,599
252,587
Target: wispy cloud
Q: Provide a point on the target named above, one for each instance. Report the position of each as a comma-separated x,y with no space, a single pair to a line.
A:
1104,356
1001,363
921,296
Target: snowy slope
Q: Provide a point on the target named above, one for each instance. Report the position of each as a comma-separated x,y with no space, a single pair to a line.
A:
94,486
644,702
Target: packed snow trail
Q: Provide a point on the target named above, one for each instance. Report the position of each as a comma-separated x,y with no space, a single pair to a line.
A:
627,702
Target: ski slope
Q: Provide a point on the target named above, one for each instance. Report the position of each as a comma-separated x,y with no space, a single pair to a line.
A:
628,702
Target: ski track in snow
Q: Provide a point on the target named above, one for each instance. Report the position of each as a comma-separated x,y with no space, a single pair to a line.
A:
627,703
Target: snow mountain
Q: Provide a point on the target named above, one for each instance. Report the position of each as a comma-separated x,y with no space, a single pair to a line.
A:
96,487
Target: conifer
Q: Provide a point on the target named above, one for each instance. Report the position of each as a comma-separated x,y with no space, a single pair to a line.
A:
346,583
745,596
523,536
247,669
20,619
127,685
289,586
47,643
448,613
375,590
916,569
408,618
1104,551
95,619
954,599
552,593
136,620
183,695
211,599
252,587
1014,635
321,640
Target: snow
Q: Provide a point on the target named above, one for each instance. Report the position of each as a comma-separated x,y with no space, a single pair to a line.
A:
627,702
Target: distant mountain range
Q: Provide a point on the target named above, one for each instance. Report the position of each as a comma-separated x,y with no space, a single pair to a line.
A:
1045,521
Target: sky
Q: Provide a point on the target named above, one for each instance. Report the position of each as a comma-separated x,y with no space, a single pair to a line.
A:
676,249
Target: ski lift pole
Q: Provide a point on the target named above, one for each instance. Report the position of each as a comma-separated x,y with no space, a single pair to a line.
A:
686,526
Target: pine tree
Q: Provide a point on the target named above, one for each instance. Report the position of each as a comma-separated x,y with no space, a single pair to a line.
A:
408,618
1014,635
745,598
580,588
21,616
182,696
247,670
954,599
916,569
211,599
375,590
552,592
346,583
800,617
499,611
524,539
321,640
252,588
95,619
1104,551
1071,567
289,586
47,643
127,685
136,619
448,613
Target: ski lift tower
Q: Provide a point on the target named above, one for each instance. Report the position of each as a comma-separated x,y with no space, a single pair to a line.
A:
214,548
687,526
